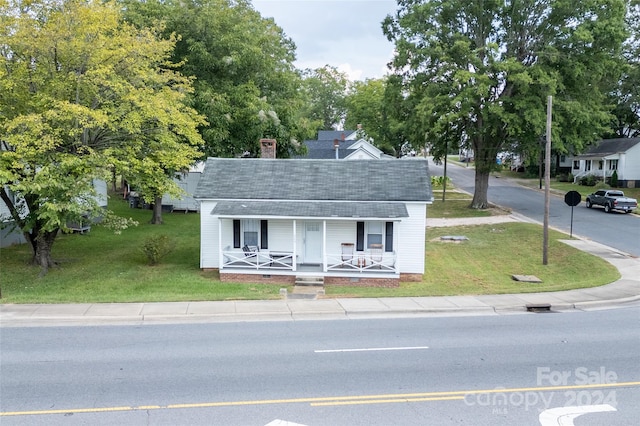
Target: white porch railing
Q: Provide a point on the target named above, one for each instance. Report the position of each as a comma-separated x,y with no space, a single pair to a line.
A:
257,260
362,262
275,260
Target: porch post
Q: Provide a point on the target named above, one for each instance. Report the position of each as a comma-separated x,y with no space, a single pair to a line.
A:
220,255
294,263
324,245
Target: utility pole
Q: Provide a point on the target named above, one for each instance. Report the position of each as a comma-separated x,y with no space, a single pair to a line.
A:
444,178
547,183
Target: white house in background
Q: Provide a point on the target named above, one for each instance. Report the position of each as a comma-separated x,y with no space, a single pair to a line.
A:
9,233
188,182
350,222
342,145
621,155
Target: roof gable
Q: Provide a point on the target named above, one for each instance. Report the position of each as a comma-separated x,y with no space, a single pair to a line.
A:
315,180
336,134
612,146
325,150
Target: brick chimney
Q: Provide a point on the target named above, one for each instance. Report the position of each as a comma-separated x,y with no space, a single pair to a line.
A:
267,148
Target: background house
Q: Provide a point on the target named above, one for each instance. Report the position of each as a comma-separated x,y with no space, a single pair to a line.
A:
188,182
10,234
342,145
356,223
609,155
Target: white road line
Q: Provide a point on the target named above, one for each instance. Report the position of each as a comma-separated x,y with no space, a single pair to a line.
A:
405,348
563,416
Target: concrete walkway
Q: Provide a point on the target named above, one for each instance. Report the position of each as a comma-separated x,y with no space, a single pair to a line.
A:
623,292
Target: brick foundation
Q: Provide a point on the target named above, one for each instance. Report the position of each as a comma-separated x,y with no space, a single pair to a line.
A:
258,279
362,282
338,281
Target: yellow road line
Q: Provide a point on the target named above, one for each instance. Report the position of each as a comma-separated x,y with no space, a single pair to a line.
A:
325,401
385,401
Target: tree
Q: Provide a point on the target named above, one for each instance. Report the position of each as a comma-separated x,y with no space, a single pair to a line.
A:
245,82
325,89
626,97
479,72
377,105
83,94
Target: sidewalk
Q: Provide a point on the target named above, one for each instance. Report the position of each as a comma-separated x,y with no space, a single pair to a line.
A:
624,291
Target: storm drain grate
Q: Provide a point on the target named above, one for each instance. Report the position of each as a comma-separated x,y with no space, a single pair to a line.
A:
539,307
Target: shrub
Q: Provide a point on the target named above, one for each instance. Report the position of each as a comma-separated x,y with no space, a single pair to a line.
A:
602,185
156,247
614,179
438,181
588,180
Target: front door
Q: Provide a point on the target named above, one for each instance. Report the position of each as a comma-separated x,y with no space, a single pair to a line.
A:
313,242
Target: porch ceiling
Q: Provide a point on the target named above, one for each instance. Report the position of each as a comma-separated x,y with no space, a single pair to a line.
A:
311,209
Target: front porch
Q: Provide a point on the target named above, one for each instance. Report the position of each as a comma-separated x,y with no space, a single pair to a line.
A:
254,261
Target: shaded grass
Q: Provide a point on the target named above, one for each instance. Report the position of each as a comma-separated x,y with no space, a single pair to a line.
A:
103,267
486,262
457,204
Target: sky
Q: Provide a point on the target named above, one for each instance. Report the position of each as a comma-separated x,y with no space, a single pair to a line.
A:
346,34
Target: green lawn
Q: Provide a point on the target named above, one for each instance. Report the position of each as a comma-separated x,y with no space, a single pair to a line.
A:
104,267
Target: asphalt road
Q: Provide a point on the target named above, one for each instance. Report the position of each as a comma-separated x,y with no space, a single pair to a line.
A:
490,370
618,230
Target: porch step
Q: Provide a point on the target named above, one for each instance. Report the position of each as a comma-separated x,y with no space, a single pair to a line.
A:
310,281
307,288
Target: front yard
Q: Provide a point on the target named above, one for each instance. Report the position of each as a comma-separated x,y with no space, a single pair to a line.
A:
103,267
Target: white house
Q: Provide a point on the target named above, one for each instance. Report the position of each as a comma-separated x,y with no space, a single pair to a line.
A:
188,182
10,234
342,145
350,222
621,155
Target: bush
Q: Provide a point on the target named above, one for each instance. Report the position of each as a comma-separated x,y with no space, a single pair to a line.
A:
601,185
614,179
564,177
155,248
438,181
588,180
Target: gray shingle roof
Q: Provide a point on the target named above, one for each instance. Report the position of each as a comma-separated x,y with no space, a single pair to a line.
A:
334,134
311,209
611,146
324,149
314,180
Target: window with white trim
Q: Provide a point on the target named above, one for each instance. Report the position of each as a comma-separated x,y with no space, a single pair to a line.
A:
613,164
375,230
250,232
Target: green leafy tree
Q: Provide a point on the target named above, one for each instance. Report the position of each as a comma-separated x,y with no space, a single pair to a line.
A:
325,91
479,72
245,82
379,106
83,94
626,97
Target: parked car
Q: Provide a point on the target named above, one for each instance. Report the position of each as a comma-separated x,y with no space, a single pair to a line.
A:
612,200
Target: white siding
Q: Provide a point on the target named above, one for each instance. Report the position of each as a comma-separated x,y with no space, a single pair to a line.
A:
411,239
209,236
339,232
630,164
188,184
280,235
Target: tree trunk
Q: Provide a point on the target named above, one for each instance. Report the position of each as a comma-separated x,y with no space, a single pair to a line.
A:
156,219
485,151
482,186
42,256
